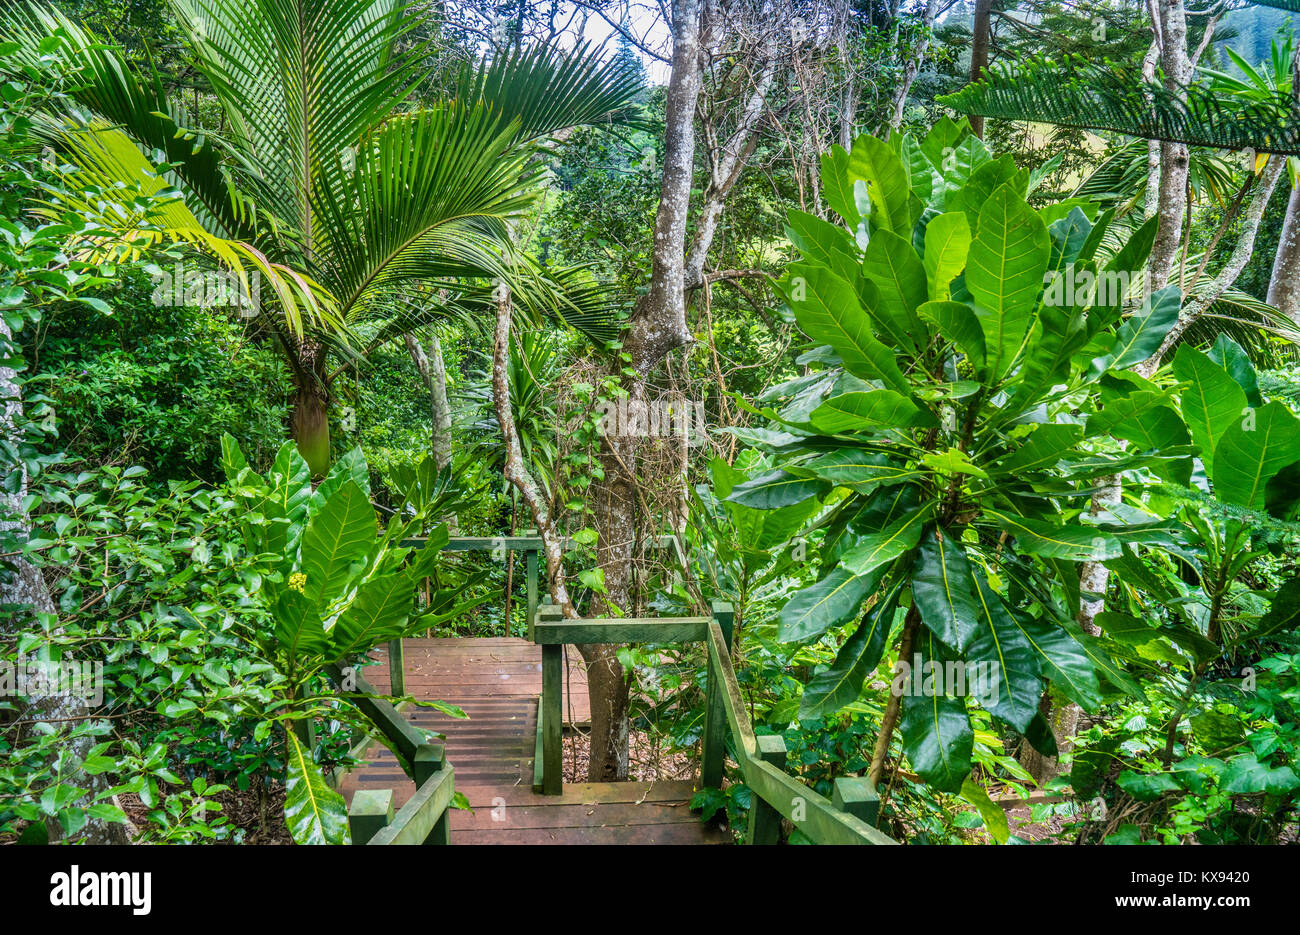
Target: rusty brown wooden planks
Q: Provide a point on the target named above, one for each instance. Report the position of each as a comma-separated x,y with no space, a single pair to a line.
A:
497,682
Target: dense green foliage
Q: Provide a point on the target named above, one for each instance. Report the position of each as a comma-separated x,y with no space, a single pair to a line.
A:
918,364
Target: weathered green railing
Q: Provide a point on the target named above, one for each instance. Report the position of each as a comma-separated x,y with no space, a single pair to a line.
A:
846,818
422,820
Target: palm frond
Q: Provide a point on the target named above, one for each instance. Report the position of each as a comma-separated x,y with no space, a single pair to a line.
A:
98,79
1079,94
1120,181
417,180
1271,339
547,90
565,295
131,212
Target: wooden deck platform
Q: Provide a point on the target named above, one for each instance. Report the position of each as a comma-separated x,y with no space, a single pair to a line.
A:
497,682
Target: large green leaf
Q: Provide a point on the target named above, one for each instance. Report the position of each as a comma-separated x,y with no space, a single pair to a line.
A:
868,412
995,819
999,642
840,683
888,185
1251,450
773,490
858,469
1063,661
1142,333
1042,449
936,731
1211,402
1230,355
1057,337
883,507
821,242
837,186
830,312
352,466
1004,272
947,242
1144,419
941,590
378,613
825,604
298,627
339,538
876,549
1246,775
957,322
1070,542
316,812
891,264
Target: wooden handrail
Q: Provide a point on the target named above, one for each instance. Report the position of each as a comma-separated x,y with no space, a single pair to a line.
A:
824,821
811,813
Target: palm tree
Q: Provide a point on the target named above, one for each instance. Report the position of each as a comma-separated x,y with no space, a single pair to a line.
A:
323,176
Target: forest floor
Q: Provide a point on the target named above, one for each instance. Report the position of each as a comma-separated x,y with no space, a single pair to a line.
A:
647,761
260,817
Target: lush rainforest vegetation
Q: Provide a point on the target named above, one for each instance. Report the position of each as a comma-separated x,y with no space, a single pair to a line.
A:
952,345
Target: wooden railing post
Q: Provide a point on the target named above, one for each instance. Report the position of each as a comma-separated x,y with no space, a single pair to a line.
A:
857,796
726,617
552,715
531,560
430,759
371,812
549,747
715,713
764,820
396,668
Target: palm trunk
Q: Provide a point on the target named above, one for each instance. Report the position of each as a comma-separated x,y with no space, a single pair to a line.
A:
309,409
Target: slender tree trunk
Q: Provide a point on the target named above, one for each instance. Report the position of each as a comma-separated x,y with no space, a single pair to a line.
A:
979,54
1284,283
912,67
657,326
1192,310
516,471
434,374
1171,31
25,589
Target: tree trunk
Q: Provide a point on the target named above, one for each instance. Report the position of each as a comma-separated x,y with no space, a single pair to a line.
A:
657,326
26,588
434,374
912,67
1171,30
1284,283
309,409
979,54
